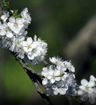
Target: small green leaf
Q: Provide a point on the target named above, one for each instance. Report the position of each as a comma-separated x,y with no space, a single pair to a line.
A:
6,4
16,14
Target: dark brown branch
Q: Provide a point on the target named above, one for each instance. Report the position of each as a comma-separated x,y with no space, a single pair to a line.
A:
36,78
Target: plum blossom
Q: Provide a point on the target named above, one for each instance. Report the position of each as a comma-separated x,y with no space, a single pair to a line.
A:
5,31
27,45
87,90
34,49
57,78
5,16
13,34
16,25
26,16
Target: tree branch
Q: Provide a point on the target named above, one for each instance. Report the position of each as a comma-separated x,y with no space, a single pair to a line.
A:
36,78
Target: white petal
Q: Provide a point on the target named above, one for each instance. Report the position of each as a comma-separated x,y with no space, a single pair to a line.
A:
24,43
2,32
72,69
57,78
44,82
92,78
29,40
55,92
82,88
49,77
25,49
9,34
62,91
12,19
91,84
4,17
52,81
80,92
50,72
30,56
19,21
23,13
35,38
56,72
84,82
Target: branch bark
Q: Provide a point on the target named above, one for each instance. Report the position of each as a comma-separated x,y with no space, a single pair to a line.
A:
36,79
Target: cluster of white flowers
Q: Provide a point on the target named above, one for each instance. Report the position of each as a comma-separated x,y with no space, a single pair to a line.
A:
87,90
13,34
59,77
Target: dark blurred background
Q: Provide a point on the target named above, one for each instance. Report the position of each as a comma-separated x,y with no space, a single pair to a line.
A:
69,28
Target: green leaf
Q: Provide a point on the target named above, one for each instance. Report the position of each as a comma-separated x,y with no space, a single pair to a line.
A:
16,14
6,4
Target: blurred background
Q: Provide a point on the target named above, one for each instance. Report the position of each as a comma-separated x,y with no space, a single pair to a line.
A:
69,28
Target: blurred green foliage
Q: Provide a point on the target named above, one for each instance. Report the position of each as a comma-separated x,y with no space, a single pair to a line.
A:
16,82
6,4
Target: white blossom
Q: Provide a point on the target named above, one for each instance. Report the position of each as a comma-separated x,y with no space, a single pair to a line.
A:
69,66
64,65
16,25
25,15
13,33
37,49
56,77
5,31
87,90
13,26
61,91
52,75
27,45
5,16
